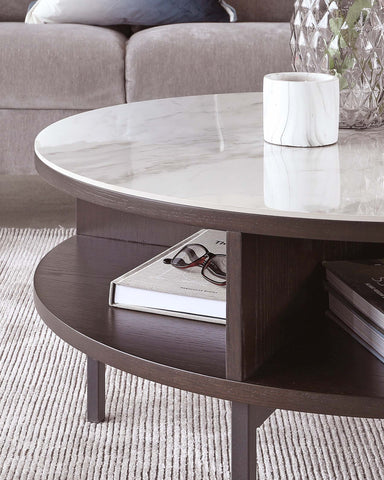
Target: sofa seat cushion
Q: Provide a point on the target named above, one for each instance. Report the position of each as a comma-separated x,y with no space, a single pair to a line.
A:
60,66
196,59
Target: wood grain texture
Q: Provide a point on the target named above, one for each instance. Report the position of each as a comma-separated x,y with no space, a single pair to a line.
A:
237,309
245,420
276,292
106,222
217,219
71,285
95,391
327,359
83,268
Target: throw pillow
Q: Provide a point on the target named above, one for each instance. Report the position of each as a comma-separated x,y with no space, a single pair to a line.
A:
31,5
132,12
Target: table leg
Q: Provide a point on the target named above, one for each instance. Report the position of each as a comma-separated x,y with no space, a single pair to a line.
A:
95,390
245,420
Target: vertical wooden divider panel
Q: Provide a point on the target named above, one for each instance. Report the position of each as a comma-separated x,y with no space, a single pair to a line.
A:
275,292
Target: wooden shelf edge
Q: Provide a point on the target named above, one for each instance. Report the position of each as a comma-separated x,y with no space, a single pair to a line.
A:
250,392
243,392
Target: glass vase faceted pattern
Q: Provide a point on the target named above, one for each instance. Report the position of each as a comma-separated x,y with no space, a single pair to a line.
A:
344,38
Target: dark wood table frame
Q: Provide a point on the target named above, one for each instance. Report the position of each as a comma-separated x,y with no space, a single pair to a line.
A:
278,349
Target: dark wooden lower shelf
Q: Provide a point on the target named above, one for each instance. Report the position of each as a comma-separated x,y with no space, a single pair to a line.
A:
328,360
328,372
73,283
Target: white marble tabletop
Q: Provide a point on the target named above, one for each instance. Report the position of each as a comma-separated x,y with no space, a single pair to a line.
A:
208,151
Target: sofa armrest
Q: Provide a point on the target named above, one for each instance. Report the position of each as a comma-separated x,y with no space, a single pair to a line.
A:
204,58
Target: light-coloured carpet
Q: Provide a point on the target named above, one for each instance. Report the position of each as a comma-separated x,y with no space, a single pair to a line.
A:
28,201
152,432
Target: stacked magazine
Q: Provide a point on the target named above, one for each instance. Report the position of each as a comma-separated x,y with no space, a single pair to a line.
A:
158,287
356,300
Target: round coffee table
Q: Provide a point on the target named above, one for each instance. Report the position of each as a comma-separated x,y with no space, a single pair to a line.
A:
148,174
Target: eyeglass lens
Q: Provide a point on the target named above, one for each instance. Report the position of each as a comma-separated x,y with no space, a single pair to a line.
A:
189,254
214,265
216,268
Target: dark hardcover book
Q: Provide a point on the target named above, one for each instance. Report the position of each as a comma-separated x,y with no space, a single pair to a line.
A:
333,317
361,283
360,327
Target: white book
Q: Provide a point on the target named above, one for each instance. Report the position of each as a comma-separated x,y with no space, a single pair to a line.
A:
160,288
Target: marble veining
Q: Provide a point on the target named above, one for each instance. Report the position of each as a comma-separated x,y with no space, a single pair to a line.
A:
208,151
301,109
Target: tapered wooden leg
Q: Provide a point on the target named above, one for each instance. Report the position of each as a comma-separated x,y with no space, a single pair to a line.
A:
245,420
95,390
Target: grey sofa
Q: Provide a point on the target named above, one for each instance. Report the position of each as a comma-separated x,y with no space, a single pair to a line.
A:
48,72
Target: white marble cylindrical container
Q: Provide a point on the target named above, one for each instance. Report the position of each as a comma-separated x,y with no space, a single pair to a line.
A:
301,109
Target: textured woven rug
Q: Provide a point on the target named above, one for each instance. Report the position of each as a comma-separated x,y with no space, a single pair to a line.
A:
152,432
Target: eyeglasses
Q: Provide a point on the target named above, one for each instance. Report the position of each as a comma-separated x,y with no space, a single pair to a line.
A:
214,266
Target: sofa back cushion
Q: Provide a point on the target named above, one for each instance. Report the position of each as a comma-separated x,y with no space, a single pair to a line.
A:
13,10
247,10
263,10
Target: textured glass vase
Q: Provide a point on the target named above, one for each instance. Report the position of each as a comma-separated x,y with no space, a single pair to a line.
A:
345,38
